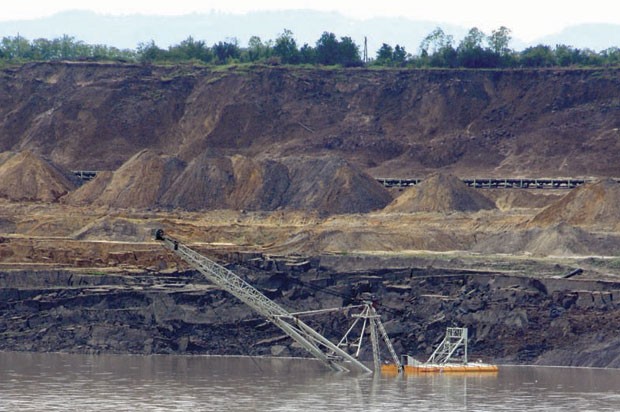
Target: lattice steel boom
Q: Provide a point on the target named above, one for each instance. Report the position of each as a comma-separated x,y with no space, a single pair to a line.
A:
316,344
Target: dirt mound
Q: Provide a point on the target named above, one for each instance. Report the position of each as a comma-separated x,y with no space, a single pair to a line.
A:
113,228
596,204
25,176
210,181
205,183
90,191
506,199
326,184
139,183
440,193
4,156
213,181
331,185
558,240
258,185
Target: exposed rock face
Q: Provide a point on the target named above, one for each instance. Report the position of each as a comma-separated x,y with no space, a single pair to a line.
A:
403,123
309,140
25,176
441,193
511,319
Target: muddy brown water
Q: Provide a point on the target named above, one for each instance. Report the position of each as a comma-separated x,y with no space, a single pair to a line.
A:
63,382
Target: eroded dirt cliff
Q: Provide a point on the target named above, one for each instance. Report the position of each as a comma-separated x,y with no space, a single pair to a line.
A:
388,122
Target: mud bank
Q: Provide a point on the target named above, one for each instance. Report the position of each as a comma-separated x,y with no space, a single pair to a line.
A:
511,319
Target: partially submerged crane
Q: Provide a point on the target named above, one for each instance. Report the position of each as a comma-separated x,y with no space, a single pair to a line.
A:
330,354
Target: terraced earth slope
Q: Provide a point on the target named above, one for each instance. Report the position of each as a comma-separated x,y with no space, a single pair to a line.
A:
274,168
388,123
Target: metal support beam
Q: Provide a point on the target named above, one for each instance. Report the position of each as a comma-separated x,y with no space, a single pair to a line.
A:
316,344
371,320
446,351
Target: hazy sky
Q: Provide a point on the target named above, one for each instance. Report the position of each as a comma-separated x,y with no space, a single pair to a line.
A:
528,19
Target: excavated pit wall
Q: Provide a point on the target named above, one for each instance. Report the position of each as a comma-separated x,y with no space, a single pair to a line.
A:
391,123
511,319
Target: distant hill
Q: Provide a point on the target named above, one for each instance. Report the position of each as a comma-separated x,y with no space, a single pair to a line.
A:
307,26
126,32
592,36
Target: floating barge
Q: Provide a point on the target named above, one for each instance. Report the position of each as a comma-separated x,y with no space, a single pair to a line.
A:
422,368
449,357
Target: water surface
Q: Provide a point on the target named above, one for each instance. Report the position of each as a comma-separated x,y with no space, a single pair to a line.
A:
62,382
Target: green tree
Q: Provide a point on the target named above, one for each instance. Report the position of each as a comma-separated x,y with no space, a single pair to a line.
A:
67,47
150,52
474,40
589,57
286,48
226,51
191,49
349,53
42,49
388,56
307,54
473,53
327,49
257,50
537,56
444,57
499,40
435,41
400,56
102,52
566,55
17,47
436,50
611,56
385,55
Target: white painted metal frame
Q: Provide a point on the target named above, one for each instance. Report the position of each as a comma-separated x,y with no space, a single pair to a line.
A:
370,319
446,351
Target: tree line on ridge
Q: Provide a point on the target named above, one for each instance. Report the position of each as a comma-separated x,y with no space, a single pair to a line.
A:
437,50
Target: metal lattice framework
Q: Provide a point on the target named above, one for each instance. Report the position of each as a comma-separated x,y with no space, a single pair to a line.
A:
447,349
316,344
371,320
